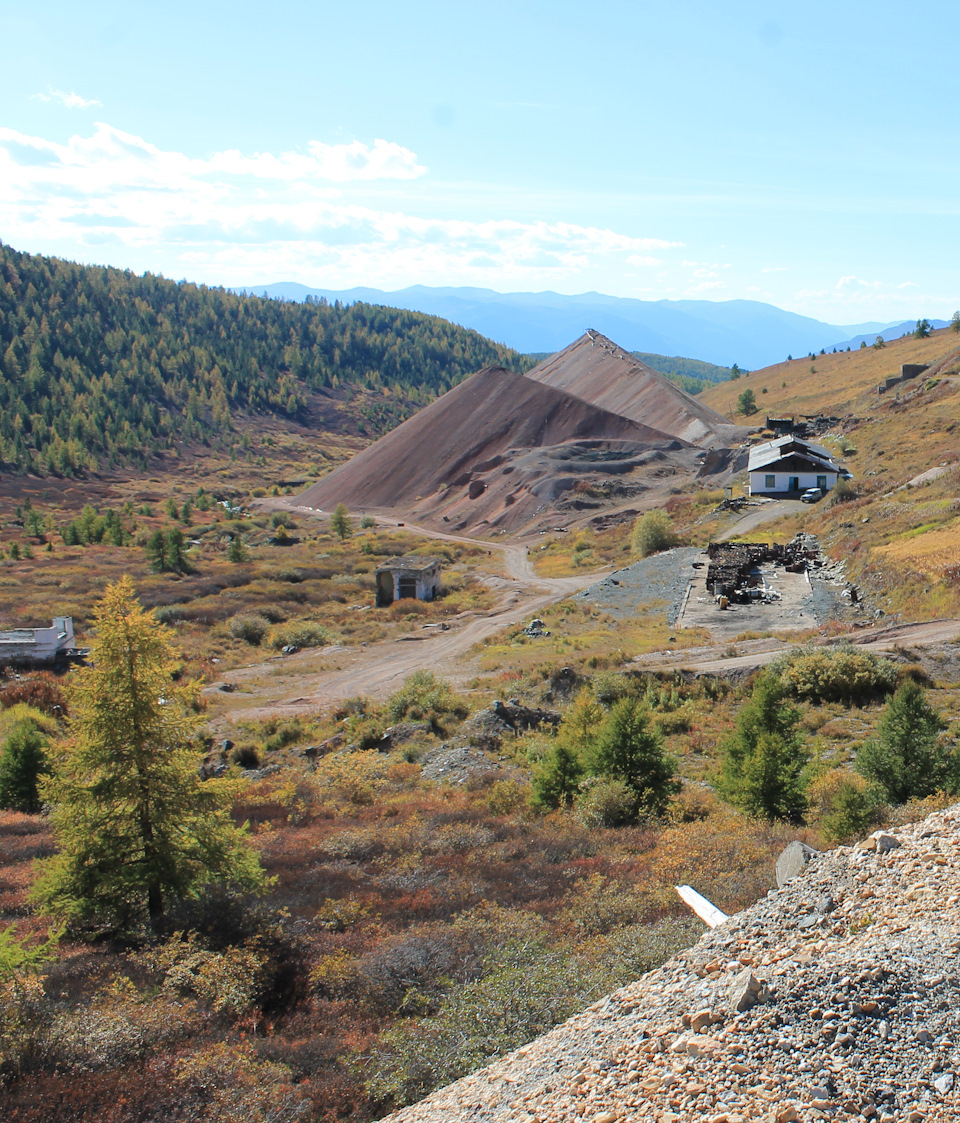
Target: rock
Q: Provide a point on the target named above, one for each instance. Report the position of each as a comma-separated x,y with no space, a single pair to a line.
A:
403,731
944,1084
605,1117
788,1114
701,1019
793,861
746,991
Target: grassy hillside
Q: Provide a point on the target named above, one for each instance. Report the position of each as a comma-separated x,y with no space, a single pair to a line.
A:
100,367
839,383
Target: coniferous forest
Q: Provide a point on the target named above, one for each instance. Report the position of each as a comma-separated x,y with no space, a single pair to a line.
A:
100,367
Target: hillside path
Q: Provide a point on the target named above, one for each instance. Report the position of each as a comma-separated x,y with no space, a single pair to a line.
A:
311,679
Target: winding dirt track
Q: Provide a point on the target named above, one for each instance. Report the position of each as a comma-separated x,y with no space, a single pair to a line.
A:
307,681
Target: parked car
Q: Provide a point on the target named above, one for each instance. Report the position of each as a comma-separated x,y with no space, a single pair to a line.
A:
811,495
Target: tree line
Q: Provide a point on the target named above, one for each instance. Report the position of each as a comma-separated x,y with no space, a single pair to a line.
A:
101,367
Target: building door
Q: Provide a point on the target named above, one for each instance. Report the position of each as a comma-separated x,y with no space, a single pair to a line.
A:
822,483
794,483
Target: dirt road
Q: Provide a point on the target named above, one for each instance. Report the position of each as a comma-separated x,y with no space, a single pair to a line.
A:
308,680
751,654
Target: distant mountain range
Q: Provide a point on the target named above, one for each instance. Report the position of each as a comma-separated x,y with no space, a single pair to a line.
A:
745,332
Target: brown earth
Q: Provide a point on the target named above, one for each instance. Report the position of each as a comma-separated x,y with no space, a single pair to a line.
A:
502,450
598,371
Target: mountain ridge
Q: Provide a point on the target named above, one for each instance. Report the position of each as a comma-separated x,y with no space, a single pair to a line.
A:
749,333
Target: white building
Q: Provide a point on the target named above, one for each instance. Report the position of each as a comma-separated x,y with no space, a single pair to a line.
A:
789,466
38,645
399,578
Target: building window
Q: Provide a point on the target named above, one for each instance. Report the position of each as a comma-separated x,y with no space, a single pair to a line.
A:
822,483
770,481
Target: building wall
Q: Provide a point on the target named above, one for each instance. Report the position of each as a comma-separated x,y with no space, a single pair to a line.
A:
759,485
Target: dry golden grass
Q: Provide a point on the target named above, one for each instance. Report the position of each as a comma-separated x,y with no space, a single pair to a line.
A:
836,385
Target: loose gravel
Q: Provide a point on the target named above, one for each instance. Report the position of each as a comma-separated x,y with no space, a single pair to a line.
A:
662,578
833,998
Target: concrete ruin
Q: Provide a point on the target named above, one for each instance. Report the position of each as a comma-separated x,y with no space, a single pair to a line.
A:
29,647
733,570
407,578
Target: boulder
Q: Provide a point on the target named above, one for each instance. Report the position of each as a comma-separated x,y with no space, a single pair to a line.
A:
793,861
746,991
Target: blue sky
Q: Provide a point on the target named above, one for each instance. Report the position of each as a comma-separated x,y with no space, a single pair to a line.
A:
806,156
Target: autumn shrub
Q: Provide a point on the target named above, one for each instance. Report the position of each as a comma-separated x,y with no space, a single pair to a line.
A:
251,627
842,805
299,633
245,756
476,1021
407,606
844,673
605,803
42,691
234,1084
504,797
596,904
228,981
424,696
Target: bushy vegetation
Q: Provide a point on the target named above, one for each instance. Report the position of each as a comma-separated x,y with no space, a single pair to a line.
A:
652,533
844,673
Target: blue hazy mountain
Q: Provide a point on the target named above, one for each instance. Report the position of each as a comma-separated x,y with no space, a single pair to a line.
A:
746,332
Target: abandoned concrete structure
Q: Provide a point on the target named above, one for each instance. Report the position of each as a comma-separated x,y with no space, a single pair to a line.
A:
38,646
790,465
734,572
415,577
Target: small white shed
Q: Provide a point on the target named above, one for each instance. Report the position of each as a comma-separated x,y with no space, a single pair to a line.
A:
411,577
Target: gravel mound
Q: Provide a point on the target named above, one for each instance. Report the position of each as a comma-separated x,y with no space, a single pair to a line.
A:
833,998
662,577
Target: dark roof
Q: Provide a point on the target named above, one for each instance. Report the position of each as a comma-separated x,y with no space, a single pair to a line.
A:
412,564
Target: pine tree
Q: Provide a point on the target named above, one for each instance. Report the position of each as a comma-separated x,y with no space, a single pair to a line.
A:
236,551
908,758
174,550
340,522
22,763
764,762
556,780
156,551
629,749
136,827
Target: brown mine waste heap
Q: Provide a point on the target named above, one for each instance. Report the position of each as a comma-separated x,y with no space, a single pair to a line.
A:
597,370
834,997
502,448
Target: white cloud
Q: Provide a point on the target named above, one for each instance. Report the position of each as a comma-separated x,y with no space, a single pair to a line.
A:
69,101
316,215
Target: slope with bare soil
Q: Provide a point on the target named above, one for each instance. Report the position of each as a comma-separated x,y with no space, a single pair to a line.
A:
492,452
597,370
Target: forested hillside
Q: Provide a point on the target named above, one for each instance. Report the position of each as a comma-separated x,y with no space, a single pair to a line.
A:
100,367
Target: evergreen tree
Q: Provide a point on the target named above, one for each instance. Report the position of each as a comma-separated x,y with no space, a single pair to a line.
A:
629,749
22,762
955,321
556,780
909,758
922,330
136,827
763,759
747,403
340,522
156,551
236,551
174,551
